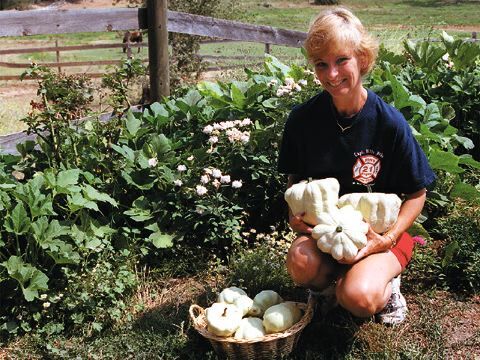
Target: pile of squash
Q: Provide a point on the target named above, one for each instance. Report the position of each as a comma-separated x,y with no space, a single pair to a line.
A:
341,224
236,314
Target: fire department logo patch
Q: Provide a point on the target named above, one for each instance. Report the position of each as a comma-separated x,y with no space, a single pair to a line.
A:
366,168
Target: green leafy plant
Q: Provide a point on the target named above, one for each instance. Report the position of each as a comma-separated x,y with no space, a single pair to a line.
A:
461,255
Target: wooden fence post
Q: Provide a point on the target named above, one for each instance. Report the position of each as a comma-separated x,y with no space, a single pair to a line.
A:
158,49
58,56
267,48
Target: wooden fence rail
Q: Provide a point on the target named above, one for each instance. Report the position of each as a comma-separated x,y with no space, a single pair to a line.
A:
35,22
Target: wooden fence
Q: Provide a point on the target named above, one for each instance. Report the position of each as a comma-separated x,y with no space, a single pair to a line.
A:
129,46
36,22
58,64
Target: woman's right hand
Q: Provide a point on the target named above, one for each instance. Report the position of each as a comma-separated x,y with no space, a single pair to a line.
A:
298,225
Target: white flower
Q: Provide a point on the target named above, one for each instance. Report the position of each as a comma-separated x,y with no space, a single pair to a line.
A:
199,210
237,184
297,87
178,182
216,183
208,129
225,179
216,173
46,305
289,81
302,82
207,171
152,162
201,190
213,139
246,122
43,297
181,168
190,158
204,179
245,138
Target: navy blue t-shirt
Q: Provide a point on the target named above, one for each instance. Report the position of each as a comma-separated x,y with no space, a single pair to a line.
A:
378,151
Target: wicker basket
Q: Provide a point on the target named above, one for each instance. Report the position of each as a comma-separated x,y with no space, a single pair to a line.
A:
270,346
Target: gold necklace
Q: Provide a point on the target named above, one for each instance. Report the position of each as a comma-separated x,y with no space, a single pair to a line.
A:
335,114
343,129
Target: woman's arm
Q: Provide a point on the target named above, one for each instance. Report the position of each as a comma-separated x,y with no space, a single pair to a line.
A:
409,211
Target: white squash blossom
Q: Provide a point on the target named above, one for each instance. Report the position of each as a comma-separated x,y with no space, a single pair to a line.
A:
237,184
213,139
181,168
178,182
152,162
225,179
245,138
216,173
246,122
201,190
208,129
289,81
281,91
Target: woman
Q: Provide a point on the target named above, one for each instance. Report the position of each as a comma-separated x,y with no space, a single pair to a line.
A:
349,133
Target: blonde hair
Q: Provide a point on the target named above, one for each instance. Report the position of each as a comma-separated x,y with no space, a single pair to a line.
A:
336,29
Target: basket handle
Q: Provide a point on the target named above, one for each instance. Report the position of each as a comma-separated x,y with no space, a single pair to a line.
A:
195,312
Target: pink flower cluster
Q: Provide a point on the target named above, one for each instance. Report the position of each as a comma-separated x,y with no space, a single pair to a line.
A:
233,130
419,240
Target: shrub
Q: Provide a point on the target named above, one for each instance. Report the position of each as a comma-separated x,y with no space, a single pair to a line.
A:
461,255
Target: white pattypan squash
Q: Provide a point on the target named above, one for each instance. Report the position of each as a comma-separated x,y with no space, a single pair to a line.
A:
297,313
266,298
341,233
313,198
250,328
223,319
278,318
229,295
378,209
244,304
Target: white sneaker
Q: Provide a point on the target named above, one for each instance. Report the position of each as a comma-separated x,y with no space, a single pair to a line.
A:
396,310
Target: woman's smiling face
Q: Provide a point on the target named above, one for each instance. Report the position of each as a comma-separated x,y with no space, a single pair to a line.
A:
340,73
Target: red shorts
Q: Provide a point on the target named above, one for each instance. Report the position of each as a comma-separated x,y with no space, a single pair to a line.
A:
403,250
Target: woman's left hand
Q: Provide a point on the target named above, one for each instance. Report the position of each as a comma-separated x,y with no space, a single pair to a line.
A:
376,243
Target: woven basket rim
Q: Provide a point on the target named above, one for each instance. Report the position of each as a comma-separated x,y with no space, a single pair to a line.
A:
200,324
